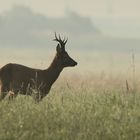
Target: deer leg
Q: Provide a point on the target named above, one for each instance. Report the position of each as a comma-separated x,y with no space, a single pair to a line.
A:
44,92
4,91
38,96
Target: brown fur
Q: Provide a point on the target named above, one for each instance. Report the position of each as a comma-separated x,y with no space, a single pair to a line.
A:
19,78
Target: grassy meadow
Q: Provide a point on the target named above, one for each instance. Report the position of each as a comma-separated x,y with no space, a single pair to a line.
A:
84,108
98,99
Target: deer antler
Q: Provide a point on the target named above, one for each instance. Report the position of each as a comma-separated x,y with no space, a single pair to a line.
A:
62,42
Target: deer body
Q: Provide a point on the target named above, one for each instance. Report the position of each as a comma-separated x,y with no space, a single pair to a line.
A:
19,78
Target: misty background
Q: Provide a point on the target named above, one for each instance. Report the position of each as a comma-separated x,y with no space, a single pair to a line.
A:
101,40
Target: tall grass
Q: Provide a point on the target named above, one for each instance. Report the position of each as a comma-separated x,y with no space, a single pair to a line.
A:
73,113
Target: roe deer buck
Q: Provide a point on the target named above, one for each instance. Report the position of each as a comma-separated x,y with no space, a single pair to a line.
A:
18,78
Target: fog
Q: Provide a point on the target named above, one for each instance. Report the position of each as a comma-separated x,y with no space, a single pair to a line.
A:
99,44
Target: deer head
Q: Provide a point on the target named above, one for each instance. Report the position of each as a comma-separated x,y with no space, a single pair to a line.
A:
63,57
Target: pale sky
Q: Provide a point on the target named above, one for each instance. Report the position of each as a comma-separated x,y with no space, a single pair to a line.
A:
92,8
114,17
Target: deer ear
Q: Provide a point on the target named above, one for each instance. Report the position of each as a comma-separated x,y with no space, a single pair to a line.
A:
58,49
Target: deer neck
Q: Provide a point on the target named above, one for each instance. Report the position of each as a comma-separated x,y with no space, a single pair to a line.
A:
53,71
